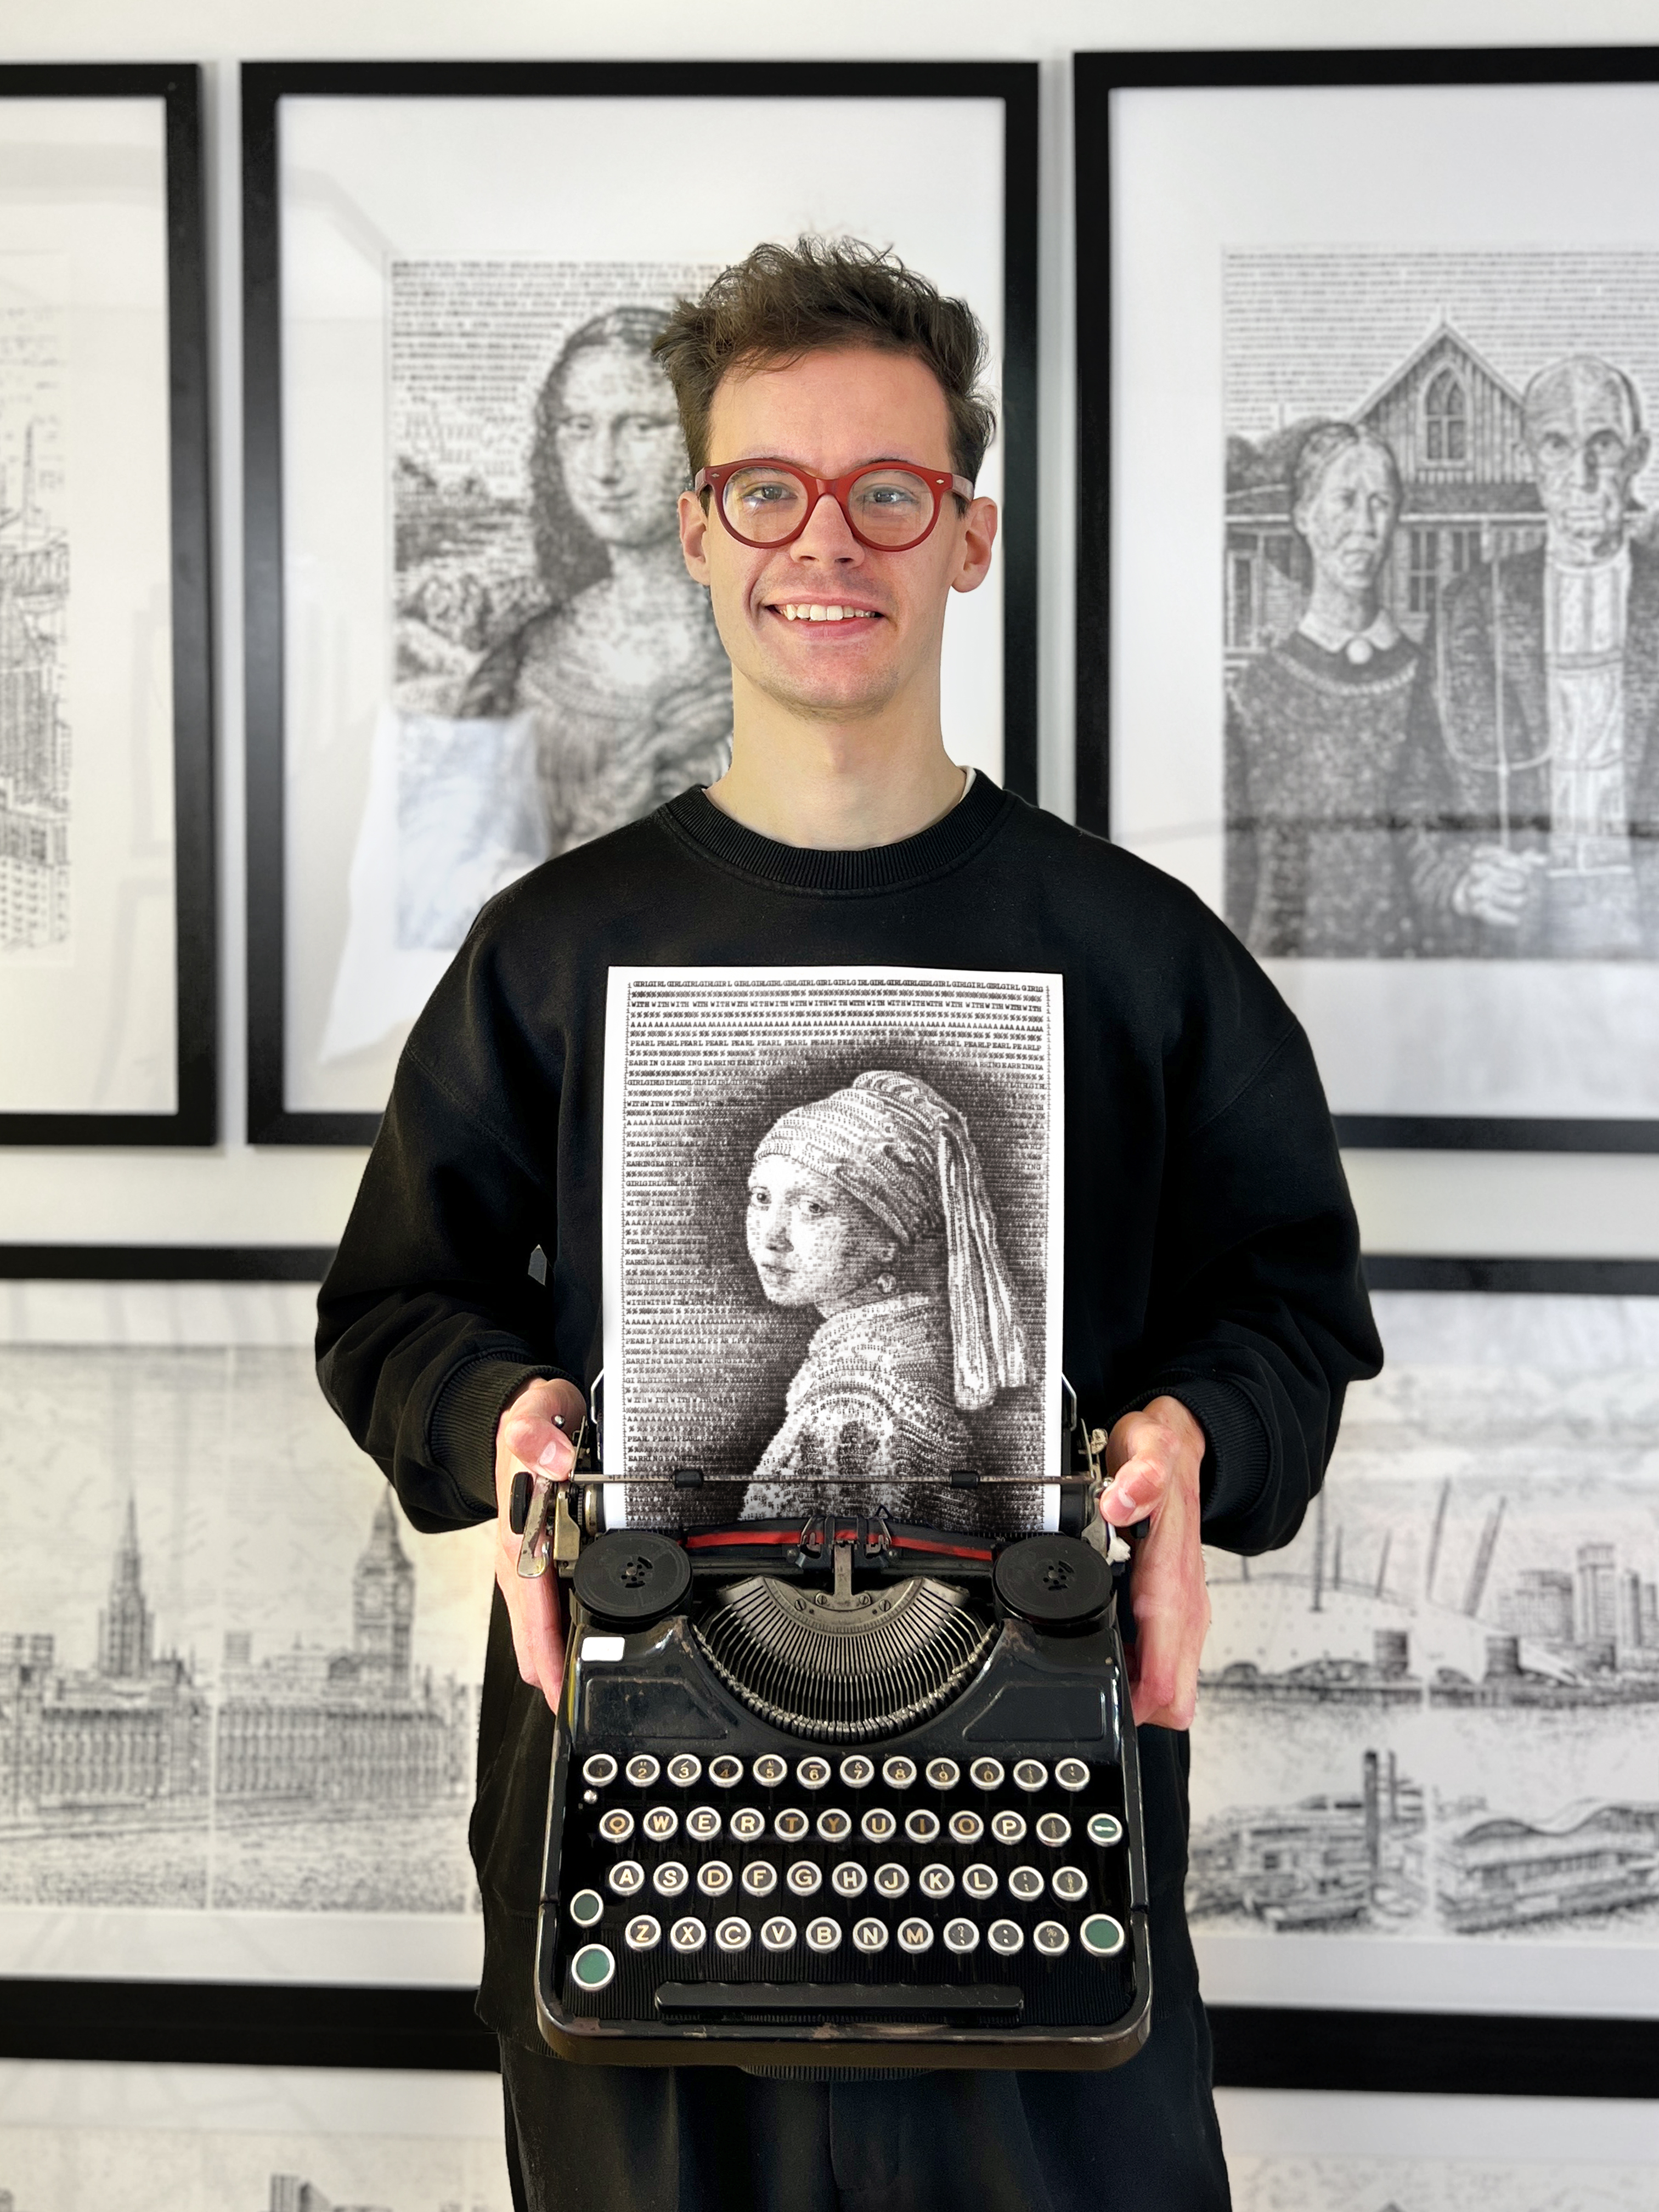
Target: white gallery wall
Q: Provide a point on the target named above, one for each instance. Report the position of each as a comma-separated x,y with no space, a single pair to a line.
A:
1455,1203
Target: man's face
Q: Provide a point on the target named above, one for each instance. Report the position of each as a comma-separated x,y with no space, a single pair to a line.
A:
1349,519
1586,455
831,413
619,445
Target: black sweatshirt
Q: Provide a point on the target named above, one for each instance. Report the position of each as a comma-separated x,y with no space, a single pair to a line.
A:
1211,1249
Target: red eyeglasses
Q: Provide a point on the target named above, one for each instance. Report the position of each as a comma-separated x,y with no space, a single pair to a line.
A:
890,505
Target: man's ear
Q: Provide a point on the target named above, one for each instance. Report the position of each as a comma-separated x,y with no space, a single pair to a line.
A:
978,536
694,534
1636,456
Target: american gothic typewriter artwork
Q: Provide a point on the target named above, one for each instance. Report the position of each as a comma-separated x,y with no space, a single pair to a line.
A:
844,1774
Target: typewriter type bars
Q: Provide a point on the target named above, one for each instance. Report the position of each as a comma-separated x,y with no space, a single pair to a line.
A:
854,1794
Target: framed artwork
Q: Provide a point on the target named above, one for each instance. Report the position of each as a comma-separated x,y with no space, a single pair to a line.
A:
1367,649
470,639
107,964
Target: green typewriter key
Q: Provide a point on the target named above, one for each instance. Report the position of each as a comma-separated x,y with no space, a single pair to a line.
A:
587,1908
592,1968
1105,1828
1103,1936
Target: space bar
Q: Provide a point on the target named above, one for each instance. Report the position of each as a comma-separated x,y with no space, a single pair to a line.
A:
996,2001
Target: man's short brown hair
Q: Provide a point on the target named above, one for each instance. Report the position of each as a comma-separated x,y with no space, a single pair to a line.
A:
782,301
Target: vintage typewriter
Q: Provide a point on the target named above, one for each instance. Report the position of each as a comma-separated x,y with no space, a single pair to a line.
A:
844,1793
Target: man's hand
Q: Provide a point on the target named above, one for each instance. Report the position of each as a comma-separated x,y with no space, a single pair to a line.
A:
1153,1458
526,1437
1496,886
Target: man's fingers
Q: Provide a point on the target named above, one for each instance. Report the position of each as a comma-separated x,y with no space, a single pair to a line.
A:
538,1444
1138,1486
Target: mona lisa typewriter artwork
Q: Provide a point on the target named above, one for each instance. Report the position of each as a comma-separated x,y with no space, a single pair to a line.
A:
844,1774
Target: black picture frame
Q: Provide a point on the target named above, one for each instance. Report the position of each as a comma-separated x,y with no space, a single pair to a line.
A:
264,86
1096,76
195,1120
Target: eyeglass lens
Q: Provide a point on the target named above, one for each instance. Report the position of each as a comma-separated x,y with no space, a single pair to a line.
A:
889,508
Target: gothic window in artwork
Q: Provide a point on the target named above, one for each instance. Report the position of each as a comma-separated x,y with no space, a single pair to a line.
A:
1446,418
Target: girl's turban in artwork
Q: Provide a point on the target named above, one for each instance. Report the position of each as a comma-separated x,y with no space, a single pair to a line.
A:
893,1144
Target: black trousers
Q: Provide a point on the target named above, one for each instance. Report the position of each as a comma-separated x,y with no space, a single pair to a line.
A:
616,2139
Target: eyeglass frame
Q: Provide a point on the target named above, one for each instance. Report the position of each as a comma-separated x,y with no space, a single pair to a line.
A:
715,479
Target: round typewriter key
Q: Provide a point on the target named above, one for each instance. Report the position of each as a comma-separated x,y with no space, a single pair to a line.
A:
891,1880
878,1825
943,1774
592,1968
1072,1774
760,1880
921,1827
600,1769
1031,1775
823,1934
733,1935
966,1827
642,1769
778,1935
1105,1828
898,1773
1008,1827
812,1773
1050,1938
726,1773
769,1769
791,1826
670,1879
835,1826
986,1774
1103,1937
1054,1829
915,1936
643,1934
1006,1937
980,1881
626,1878
961,1936
585,1907
850,1878
1070,1883
747,1824
715,1878
616,1825
685,1771
660,1822
804,1878
936,1880
702,1824
870,1935
1025,1883
857,1771
688,1936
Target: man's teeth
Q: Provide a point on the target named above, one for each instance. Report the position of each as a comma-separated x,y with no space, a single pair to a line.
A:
813,612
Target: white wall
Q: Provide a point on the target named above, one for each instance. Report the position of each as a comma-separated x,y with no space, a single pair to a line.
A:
1489,1204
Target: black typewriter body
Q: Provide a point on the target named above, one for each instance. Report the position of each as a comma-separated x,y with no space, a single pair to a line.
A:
853,1796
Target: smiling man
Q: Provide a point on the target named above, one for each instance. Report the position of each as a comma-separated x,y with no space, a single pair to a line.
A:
1214,1308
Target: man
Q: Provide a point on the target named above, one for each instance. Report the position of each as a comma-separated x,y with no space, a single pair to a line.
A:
1548,672
1212,1304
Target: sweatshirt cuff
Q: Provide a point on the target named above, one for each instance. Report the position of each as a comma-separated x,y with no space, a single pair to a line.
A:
463,1421
1238,1458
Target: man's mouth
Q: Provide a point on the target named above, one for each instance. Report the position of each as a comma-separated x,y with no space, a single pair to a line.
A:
817,611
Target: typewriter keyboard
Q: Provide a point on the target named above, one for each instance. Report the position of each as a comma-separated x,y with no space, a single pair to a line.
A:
844,1869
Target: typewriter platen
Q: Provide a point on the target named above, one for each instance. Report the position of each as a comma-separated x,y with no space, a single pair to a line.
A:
854,1793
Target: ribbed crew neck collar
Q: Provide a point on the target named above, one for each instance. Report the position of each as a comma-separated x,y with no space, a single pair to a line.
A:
694,817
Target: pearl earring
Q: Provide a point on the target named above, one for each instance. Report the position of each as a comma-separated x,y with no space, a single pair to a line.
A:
884,1285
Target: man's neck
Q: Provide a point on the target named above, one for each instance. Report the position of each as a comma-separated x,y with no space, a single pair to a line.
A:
836,786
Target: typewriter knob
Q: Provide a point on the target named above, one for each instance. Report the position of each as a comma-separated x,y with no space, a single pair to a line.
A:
631,1578
1056,1583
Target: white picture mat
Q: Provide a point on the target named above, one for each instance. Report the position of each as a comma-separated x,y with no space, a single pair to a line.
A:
91,1026
1197,174
365,181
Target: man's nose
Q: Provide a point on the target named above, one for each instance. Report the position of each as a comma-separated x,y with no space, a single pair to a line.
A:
826,537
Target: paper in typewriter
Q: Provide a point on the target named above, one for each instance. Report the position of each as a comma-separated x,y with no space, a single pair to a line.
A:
833,1243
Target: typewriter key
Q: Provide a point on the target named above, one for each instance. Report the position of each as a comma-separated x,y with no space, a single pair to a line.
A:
812,1773
857,1771
961,1936
769,1769
642,1769
892,1880
1006,1937
759,1879
685,1771
936,1880
791,1826
702,1824
870,1936
1031,1775
1103,1937
661,1823
986,1774
643,1934
626,1878
1072,1774
835,1826
778,1935
1054,1829
915,1936
747,1824
823,1934
670,1879
585,1907
943,1774
1070,1883
688,1936
1105,1828
600,1769
967,1827
733,1935
980,1881
1050,1938
725,1773
592,1968
850,1878
1008,1827
1025,1883
804,1878
921,1827
616,1825
878,1825
898,1773
715,1878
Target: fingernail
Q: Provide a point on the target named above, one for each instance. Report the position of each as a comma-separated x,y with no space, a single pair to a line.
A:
551,1455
